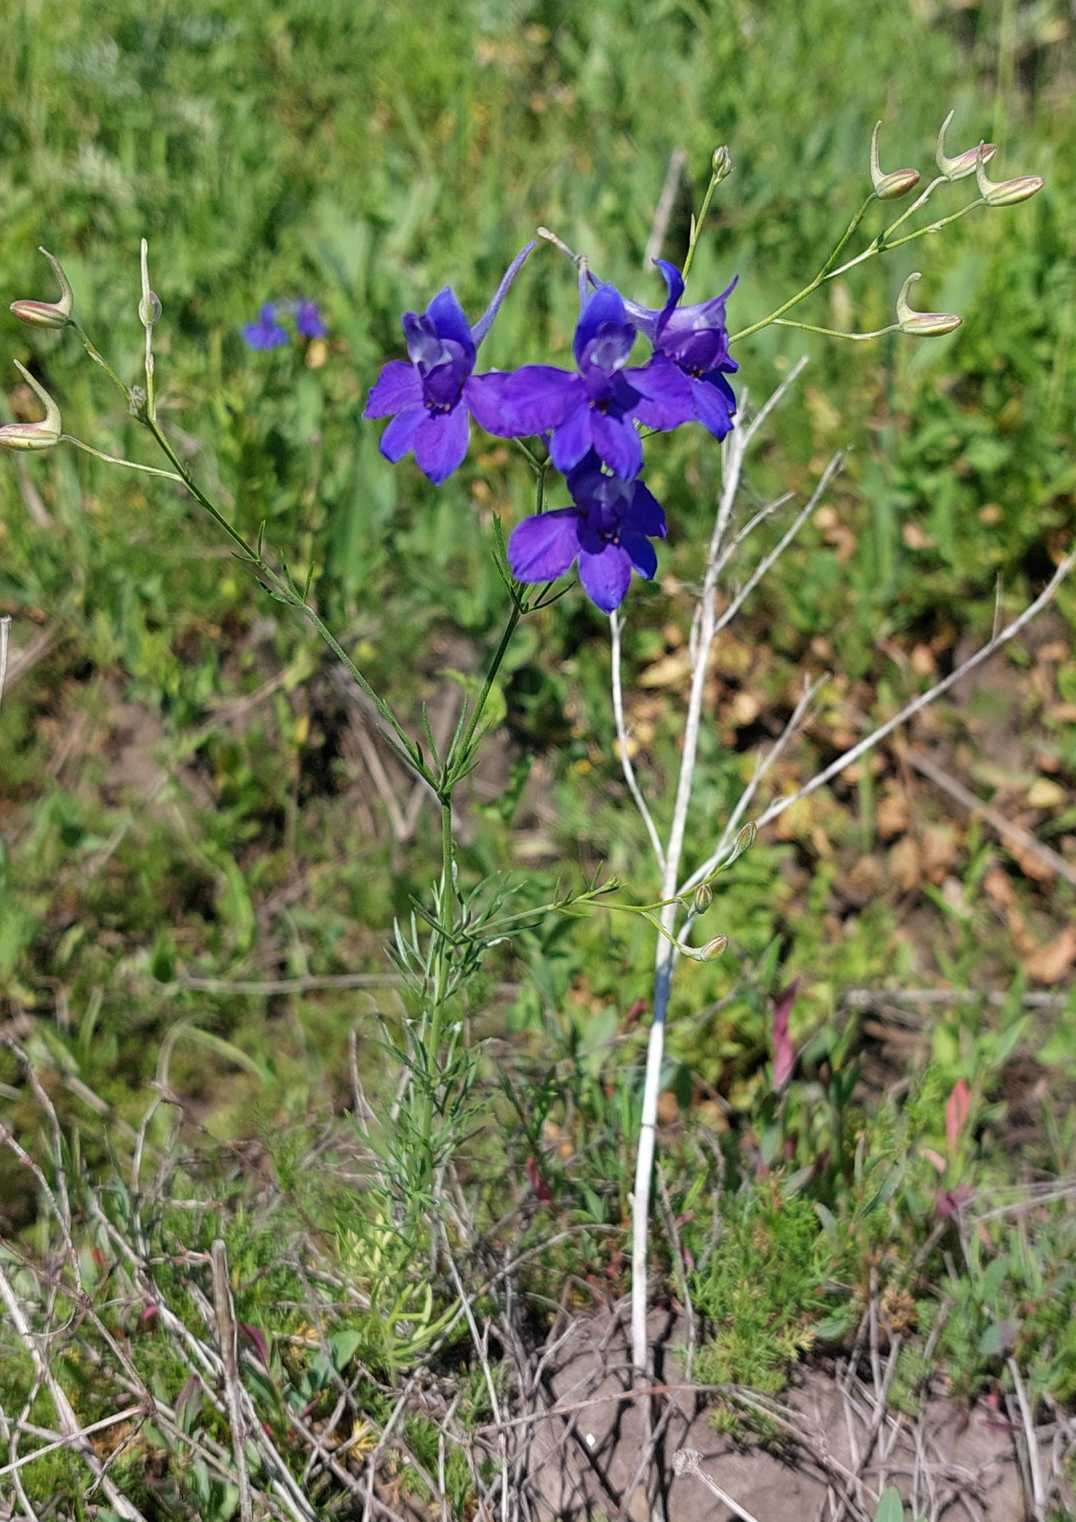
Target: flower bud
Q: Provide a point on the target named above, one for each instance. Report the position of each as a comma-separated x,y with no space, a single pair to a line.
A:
887,187
1005,192
712,948
48,314
721,164
149,309
922,324
704,897
42,435
963,164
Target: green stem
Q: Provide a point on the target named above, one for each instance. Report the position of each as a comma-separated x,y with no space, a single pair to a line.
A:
696,231
99,359
282,587
811,327
457,761
920,232
111,459
882,244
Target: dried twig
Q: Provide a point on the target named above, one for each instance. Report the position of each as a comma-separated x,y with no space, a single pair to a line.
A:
1034,1458
622,744
70,1427
5,626
688,1461
664,209
228,1334
1013,835
983,654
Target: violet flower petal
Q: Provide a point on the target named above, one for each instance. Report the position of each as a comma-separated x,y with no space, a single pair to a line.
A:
398,436
440,442
641,552
712,407
523,402
485,322
665,391
606,576
617,443
572,439
397,386
543,547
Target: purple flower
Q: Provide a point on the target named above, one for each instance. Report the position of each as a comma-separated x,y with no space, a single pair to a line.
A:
266,333
608,531
592,410
691,344
308,319
430,397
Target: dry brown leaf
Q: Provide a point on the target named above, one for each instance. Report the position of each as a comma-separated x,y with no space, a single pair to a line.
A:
1032,865
939,851
906,863
669,671
892,816
744,709
915,537
1051,963
999,888
1045,793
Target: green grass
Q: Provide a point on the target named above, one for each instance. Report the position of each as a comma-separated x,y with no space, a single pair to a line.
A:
179,792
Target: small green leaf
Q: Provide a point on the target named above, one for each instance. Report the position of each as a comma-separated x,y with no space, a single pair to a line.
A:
890,1507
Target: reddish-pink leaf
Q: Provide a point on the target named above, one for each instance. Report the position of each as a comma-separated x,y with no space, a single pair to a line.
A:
956,1111
257,1340
537,1182
784,1050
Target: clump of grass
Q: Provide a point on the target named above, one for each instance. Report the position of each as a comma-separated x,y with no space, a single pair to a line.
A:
763,1289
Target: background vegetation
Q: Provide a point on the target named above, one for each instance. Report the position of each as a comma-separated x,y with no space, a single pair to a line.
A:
195,845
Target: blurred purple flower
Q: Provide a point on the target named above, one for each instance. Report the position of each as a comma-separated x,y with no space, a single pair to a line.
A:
266,333
308,320
608,531
430,397
592,410
691,344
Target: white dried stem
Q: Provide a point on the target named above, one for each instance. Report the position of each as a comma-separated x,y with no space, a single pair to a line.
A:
664,209
622,743
487,1374
228,1335
924,699
129,1413
70,1427
735,448
769,560
5,626
768,761
1034,1459
688,1461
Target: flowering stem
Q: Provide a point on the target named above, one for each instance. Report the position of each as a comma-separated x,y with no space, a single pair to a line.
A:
810,327
882,244
111,459
282,587
697,225
99,359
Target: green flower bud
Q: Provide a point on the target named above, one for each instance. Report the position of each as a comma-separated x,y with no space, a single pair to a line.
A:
704,897
149,310
922,324
721,164
48,314
887,187
963,164
1005,192
42,435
